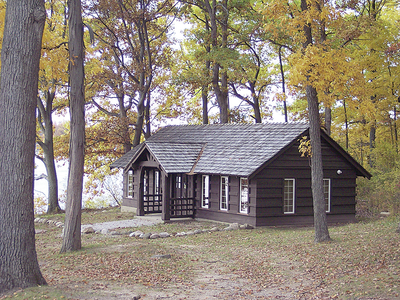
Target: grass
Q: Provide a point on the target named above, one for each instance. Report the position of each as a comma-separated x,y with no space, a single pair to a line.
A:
361,262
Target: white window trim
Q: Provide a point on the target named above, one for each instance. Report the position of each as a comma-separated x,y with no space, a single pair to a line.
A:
205,191
246,210
129,190
294,196
329,194
226,178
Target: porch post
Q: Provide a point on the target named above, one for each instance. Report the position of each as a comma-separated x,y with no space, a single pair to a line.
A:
165,216
140,209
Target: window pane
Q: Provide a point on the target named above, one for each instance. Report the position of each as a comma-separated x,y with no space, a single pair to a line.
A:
205,191
224,193
327,194
288,196
244,195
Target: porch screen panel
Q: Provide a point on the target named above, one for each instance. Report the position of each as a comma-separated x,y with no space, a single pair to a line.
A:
288,196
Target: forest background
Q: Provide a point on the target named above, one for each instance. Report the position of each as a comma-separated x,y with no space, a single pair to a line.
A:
238,62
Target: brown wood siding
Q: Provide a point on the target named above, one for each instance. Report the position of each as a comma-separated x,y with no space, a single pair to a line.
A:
293,220
234,199
270,180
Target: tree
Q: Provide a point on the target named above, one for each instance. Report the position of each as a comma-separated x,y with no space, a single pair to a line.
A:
72,229
53,78
317,174
132,39
20,57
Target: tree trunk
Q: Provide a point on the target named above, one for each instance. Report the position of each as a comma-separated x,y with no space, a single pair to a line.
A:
20,55
283,84
317,183
372,137
328,120
204,98
317,173
46,126
72,229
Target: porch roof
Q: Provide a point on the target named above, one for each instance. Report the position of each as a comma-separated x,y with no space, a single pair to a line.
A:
217,149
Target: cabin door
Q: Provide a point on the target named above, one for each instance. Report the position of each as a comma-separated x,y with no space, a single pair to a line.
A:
152,191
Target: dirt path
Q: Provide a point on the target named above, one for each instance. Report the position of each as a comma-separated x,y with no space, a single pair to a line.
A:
211,280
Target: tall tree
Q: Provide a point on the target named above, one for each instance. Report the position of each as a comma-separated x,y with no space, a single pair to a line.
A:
20,57
72,229
317,173
53,78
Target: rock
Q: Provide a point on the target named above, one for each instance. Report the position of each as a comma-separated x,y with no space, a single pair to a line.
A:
235,226
155,236
162,256
214,229
136,297
190,233
246,226
164,234
37,220
88,230
145,235
229,228
136,233
180,234
60,224
39,231
198,231
104,231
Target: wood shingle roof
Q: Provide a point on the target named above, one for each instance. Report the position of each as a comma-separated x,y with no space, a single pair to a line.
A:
216,149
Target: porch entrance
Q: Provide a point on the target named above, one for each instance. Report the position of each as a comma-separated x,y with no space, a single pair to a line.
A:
152,192
179,199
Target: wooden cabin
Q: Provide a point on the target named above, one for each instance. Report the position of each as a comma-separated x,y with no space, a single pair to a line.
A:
236,173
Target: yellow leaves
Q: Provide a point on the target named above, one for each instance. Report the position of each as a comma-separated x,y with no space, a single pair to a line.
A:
305,146
330,71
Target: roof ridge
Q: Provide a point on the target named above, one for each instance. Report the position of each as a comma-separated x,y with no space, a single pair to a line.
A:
239,124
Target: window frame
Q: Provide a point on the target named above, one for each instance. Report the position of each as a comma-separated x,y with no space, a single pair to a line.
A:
129,184
327,199
244,205
293,198
224,199
205,191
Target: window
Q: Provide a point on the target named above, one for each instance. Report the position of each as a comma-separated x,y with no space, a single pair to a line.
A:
244,195
288,196
157,190
205,194
327,194
130,184
224,196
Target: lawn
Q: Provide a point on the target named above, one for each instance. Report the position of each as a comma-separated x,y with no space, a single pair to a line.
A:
362,262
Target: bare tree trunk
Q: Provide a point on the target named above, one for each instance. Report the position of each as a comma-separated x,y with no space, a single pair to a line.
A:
346,123
372,137
204,98
317,184
20,55
46,126
328,120
317,173
72,229
283,84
